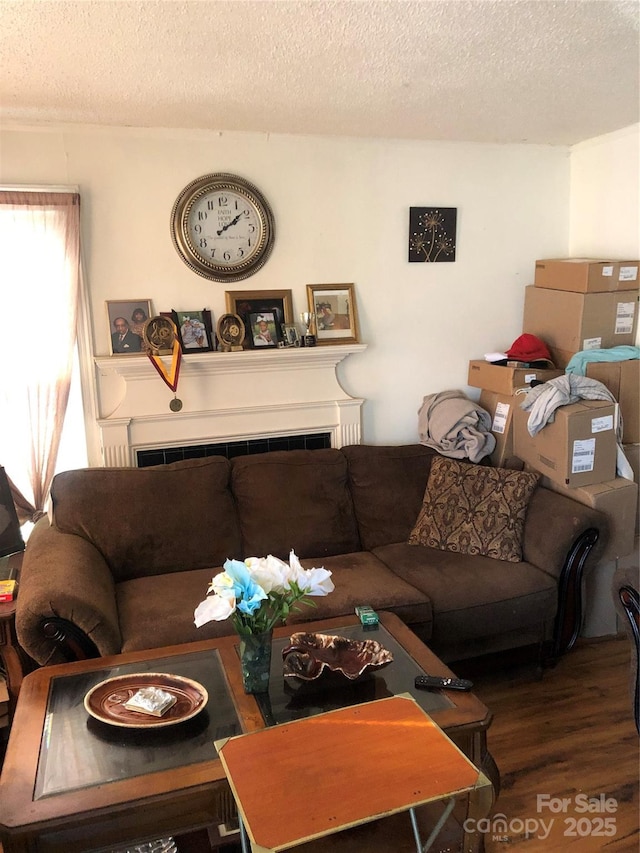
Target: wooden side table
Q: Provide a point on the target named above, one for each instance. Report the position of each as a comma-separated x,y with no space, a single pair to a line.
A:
13,660
313,777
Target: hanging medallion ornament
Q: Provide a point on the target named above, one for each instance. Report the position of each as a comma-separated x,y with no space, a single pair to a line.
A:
160,337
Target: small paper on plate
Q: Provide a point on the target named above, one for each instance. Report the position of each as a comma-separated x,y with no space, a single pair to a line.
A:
150,700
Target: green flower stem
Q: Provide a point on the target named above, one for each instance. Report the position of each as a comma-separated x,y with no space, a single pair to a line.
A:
276,608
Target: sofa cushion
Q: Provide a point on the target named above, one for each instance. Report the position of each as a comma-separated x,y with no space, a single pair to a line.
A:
158,611
361,578
148,521
471,509
474,596
294,499
387,484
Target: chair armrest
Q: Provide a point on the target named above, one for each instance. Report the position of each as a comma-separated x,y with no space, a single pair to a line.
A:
626,599
65,581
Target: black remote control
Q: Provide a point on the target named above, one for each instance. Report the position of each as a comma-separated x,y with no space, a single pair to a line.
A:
426,682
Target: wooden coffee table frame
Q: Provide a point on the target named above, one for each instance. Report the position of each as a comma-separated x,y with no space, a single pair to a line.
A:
173,801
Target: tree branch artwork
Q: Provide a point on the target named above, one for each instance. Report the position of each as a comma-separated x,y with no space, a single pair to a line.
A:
432,234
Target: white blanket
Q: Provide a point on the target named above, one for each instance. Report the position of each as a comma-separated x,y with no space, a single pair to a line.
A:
455,426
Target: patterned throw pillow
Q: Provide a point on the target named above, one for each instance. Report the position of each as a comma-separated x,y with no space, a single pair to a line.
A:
473,509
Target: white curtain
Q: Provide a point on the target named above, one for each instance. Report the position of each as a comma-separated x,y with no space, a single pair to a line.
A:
39,280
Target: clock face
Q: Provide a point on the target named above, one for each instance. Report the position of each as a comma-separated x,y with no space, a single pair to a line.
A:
222,227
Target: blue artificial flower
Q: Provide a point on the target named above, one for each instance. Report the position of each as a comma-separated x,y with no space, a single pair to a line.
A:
249,594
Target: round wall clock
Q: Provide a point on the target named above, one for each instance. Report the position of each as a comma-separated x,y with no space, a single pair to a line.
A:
222,227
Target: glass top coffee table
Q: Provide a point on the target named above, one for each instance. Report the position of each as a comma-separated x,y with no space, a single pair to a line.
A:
79,784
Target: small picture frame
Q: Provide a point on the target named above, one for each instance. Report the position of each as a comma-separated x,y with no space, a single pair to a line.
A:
247,302
264,331
194,330
336,313
126,318
290,335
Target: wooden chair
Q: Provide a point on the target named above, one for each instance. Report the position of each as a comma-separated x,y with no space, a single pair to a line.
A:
625,584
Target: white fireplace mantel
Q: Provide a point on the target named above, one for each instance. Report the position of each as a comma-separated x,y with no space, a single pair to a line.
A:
225,397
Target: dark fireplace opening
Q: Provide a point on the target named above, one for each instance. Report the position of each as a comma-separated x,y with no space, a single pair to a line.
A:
161,456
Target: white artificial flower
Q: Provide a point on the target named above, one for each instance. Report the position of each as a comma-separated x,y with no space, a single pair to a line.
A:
312,581
222,584
317,582
260,591
269,572
214,608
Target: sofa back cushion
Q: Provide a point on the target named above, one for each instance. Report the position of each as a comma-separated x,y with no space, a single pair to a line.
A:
387,484
148,521
294,499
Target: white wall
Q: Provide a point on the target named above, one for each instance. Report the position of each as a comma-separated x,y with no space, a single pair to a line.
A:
341,208
604,202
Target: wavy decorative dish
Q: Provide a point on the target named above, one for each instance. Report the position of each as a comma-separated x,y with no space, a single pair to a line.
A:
105,701
308,655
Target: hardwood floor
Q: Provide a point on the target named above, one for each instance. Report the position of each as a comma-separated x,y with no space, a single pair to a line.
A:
568,735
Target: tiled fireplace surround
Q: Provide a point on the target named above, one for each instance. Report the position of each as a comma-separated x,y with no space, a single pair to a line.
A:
226,397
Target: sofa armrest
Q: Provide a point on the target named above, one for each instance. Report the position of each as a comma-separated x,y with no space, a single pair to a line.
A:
562,537
553,524
66,598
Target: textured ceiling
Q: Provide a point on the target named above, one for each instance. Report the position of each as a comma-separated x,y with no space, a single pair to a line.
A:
475,70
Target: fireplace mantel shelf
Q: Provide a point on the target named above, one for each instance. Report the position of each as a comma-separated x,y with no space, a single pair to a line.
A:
247,361
229,396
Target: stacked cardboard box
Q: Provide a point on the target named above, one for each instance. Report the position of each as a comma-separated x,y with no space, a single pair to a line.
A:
587,275
500,407
578,448
580,304
500,384
571,322
576,304
622,378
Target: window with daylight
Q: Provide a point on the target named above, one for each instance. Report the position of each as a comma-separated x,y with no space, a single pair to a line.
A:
40,272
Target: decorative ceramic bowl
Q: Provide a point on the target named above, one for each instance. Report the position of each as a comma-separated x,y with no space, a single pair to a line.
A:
308,655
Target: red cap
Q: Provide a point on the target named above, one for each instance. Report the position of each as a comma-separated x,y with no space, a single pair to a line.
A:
529,348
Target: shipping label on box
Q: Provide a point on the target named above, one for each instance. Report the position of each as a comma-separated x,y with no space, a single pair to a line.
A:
500,407
506,380
577,321
622,378
587,275
577,448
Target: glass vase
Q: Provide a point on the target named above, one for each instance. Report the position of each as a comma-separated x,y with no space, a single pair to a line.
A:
255,660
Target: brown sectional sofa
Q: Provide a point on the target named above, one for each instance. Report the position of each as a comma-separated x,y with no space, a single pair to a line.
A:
130,553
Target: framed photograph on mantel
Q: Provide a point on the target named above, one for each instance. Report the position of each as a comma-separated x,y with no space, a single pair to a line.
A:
126,318
264,330
194,330
336,313
244,303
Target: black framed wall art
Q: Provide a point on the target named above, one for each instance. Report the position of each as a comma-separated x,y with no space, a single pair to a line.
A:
432,234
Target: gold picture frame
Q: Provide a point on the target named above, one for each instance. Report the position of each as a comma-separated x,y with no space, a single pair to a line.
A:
126,318
336,313
247,302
